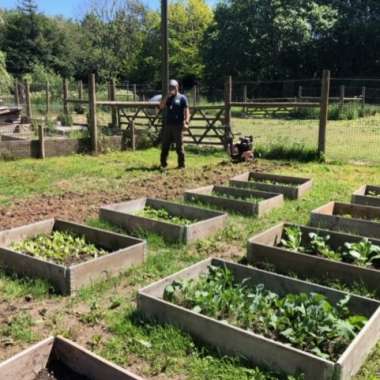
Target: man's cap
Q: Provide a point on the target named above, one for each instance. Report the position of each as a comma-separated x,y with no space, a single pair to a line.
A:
173,83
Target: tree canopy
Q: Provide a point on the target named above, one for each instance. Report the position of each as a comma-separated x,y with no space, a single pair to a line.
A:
251,39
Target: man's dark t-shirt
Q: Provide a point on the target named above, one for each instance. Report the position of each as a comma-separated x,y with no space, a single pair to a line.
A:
175,109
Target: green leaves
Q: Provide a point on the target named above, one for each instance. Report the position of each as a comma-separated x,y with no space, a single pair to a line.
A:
59,247
162,214
307,321
293,239
361,253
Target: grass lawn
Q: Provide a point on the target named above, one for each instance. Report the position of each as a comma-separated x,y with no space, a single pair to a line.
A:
347,140
103,317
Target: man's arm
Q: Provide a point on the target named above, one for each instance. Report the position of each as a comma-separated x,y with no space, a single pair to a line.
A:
186,112
187,117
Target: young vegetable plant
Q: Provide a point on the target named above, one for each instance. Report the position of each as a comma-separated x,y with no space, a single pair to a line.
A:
293,239
319,245
251,198
60,247
362,253
306,321
162,214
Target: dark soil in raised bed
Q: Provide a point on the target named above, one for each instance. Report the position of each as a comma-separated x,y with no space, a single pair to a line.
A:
58,371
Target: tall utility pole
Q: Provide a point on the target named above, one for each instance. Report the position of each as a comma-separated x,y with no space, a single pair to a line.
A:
165,47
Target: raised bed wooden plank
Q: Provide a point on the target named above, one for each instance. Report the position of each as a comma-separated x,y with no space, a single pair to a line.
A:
290,187
255,348
124,251
363,196
28,364
206,222
264,249
352,218
211,195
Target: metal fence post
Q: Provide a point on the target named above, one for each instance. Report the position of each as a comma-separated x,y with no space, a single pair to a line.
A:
324,111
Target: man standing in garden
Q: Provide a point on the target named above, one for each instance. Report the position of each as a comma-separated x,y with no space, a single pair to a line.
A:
177,118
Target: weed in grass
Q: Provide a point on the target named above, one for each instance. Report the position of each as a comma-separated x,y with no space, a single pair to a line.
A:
306,321
59,247
13,287
18,329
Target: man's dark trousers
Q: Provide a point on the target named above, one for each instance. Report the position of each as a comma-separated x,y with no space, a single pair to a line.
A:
172,134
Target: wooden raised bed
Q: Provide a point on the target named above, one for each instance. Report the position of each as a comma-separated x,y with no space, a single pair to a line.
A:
264,249
124,251
362,196
65,358
206,222
352,218
255,348
210,195
291,187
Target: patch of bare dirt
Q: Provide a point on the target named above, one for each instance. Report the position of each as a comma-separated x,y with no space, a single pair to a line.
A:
79,207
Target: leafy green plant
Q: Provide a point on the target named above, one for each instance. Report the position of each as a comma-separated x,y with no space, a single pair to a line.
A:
362,253
319,245
372,193
306,321
293,239
60,247
162,214
250,198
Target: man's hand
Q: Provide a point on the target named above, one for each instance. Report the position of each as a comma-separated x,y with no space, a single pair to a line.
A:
186,125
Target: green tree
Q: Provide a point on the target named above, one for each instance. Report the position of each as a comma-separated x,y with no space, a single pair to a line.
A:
264,38
188,21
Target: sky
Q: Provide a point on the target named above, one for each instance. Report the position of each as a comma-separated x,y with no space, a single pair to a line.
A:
70,8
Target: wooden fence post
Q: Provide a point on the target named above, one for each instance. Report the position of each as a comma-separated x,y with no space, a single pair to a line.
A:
325,93
65,96
245,97
47,97
80,90
300,92
133,135
112,97
92,114
363,95
134,92
17,93
41,140
227,109
29,114
342,94
194,95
